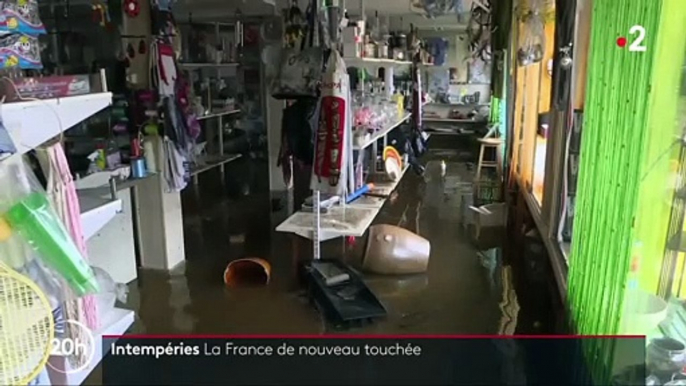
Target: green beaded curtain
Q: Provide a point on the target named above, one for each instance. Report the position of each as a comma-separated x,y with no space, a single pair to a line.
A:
624,137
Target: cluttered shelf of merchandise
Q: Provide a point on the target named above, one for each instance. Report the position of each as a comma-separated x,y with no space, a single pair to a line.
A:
379,134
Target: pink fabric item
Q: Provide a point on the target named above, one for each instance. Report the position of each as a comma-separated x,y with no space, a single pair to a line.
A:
73,219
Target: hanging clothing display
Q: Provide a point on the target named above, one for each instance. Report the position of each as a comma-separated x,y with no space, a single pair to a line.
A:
163,68
180,129
176,171
175,125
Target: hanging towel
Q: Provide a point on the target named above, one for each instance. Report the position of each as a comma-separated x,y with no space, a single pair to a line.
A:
163,68
176,172
175,126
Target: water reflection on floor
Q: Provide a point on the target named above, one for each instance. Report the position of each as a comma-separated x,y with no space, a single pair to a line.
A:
461,293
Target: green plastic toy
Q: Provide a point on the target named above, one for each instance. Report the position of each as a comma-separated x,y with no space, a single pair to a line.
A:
34,220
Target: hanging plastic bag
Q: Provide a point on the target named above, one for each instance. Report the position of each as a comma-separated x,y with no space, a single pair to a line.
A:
533,43
436,8
7,147
332,141
26,211
299,74
300,70
110,291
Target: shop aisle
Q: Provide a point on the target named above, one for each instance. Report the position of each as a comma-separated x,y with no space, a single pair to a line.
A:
460,293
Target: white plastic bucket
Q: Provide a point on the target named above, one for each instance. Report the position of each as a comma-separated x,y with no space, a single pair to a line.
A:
644,313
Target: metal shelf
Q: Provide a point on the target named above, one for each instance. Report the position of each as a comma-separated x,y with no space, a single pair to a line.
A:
219,114
210,162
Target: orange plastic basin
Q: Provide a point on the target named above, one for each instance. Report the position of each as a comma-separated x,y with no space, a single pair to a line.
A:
251,271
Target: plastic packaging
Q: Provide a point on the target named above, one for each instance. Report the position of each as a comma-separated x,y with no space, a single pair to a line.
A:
33,218
436,8
21,16
21,51
533,43
110,292
33,222
299,73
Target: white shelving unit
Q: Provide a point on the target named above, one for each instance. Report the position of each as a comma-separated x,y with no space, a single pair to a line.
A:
114,323
381,188
381,133
96,212
32,123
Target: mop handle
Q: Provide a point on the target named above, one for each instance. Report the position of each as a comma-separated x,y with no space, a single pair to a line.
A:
317,225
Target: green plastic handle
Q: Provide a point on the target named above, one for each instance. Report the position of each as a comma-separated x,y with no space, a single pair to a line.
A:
34,220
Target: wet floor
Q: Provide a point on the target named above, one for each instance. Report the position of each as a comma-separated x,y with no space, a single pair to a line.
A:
461,293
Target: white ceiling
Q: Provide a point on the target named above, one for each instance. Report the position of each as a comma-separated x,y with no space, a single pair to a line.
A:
397,11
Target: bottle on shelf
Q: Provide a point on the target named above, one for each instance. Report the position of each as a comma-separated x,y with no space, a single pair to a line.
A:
101,159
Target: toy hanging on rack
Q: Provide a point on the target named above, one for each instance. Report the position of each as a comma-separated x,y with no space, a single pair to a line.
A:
100,13
132,8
